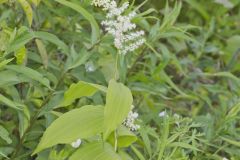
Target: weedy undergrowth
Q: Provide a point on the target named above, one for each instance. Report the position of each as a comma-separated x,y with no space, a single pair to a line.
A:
119,80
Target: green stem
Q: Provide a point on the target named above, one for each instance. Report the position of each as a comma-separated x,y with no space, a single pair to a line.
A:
116,141
116,66
35,117
164,138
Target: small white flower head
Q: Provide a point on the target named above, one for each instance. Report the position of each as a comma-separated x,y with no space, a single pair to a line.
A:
225,3
77,143
163,114
176,116
224,158
177,119
119,25
89,66
129,122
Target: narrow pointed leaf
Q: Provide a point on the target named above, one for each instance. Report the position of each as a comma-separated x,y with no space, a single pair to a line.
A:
30,73
85,14
28,10
8,102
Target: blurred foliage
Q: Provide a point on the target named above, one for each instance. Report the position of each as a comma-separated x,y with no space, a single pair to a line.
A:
188,68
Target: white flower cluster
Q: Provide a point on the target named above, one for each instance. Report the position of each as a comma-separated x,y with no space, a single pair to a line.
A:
89,66
126,38
77,143
163,114
129,122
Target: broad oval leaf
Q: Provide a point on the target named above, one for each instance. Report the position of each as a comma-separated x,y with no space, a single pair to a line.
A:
118,104
79,90
95,151
78,123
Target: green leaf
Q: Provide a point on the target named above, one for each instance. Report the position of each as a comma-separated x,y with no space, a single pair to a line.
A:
233,44
5,135
28,36
8,102
53,39
3,1
233,142
124,156
78,123
95,151
12,78
183,145
30,73
43,52
5,62
234,111
4,40
118,104
170,16
35,2
21,55
124,137
138,153
87,15
28,10
24,119
1,153
20,41
79,90
200,8
80,59
224,75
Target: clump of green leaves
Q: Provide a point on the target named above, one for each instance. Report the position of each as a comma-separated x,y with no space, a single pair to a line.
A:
62,79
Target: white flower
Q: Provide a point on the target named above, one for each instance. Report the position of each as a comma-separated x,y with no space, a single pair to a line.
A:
126,38
89,66
162,114
224,158
129,122
225,3
77,143
177,116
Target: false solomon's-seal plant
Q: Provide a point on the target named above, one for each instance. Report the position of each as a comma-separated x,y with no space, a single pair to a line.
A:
72,70
101,132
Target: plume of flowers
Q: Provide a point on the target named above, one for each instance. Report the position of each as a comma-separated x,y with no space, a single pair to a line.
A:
129,122
119,25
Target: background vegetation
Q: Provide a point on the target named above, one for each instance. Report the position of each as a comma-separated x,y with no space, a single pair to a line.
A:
189,68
